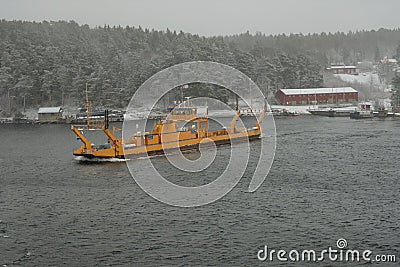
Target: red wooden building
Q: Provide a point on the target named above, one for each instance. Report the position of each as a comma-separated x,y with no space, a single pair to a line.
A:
314,96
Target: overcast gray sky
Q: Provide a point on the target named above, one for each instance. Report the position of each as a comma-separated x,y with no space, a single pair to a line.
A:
214,17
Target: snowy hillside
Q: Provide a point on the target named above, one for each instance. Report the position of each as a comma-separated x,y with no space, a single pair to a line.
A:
363,78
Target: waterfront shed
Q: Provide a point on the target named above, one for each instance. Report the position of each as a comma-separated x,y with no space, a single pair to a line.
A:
50,114
343,69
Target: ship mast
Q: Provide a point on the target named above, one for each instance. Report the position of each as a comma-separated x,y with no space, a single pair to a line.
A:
88,107
251,98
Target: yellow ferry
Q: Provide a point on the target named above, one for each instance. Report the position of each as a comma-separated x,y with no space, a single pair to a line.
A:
165,136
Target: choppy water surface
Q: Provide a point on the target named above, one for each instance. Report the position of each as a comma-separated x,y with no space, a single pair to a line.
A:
332,178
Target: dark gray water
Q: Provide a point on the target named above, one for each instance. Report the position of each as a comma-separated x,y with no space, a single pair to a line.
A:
332,178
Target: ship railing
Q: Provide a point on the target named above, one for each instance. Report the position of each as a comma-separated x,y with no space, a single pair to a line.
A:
97,124
181,117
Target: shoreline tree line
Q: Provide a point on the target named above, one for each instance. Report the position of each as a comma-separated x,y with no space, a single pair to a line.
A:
48,63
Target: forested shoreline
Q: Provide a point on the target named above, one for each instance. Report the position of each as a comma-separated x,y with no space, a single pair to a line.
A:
48,63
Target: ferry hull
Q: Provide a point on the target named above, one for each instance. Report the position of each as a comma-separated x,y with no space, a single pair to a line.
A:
194,146
166,148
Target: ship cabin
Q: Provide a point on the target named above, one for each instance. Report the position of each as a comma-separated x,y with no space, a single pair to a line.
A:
181,113
180,124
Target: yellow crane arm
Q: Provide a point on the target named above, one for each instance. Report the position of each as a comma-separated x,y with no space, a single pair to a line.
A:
260,119
87,143
110,135
233,122
117,143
